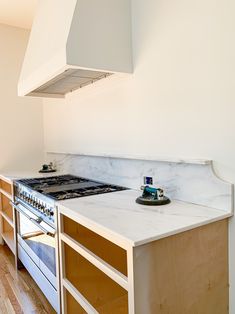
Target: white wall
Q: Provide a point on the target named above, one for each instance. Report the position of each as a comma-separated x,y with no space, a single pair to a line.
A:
21,123
180,101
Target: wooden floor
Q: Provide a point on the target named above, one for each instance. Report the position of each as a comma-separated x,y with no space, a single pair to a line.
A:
18,291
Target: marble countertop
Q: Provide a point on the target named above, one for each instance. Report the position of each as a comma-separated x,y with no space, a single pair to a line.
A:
120,219
17,175
117,216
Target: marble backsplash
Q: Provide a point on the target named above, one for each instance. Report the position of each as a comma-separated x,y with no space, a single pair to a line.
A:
186,181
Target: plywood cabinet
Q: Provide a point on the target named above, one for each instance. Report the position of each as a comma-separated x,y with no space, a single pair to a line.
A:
111,253
7,216
185,273
98,288
93,269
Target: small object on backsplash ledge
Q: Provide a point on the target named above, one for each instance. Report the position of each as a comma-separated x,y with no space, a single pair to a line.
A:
152,196
47,168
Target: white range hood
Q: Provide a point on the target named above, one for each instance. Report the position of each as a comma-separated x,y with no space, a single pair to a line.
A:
74,43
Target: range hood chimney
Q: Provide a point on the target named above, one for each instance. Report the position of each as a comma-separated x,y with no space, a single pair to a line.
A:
74,43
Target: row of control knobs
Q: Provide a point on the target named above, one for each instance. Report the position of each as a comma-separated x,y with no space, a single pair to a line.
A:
35,204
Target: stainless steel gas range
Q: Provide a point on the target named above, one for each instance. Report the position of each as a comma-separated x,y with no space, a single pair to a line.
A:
35,207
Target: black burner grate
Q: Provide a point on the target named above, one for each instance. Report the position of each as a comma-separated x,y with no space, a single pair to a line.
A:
64,195
39,183
68,186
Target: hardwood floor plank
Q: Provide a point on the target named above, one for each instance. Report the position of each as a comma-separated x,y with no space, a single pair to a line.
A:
9,307
19,294
11,295
24,301
3,309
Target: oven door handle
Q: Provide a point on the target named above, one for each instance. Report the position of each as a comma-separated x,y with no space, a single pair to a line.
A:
35,221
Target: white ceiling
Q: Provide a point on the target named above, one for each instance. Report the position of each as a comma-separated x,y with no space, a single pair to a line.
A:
17,13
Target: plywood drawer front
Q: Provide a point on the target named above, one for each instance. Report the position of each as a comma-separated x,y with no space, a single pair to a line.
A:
72,305
102,293
8,234
5,206
5,186
103,248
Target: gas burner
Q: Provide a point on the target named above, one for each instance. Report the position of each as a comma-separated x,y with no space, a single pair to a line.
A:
40,194
81,192
67,186
67,196
39,184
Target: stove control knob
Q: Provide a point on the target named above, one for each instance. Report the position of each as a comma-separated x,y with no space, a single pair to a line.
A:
51,213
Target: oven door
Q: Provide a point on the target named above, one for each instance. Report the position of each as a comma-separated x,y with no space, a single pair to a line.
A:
37,238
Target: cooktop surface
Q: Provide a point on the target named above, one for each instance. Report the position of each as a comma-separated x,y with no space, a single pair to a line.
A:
68,186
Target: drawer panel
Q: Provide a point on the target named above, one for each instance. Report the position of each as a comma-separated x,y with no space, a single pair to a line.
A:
104,294
72,305
103,248
5,186
5,206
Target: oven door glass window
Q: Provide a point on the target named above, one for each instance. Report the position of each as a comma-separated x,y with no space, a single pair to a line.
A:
38,245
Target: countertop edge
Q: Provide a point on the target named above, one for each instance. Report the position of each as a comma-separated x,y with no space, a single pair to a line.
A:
190,227
124,242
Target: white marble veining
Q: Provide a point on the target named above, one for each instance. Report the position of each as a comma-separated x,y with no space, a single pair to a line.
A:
194,183
198,161
198,196
120,219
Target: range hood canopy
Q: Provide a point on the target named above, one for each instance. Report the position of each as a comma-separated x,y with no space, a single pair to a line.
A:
74,43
